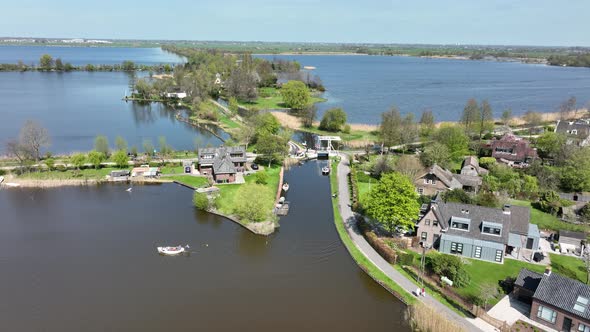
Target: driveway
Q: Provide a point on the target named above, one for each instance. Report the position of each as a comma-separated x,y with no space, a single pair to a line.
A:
510,310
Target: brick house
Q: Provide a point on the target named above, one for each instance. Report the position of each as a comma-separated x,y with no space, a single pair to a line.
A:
477,232
513,151
222,163
556,301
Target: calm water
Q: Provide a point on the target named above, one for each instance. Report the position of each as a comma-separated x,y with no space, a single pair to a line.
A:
75,107
83,259
366,86
87,55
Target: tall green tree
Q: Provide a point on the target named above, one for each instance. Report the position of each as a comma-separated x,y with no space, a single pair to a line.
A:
265,123
471,116
59,66
409,132
101,144
532,120
507,117
436,153
120,158
272,147
121,143
575,176
391,127
426,123
333,120
486,120
148,147
455,139
295,95
96,158
393,202
78,160
46,62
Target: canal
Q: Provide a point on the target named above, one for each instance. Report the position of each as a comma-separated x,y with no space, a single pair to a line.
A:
84,259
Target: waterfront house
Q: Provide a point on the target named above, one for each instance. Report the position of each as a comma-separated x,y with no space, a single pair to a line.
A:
222,163
478,232
576,132
435,179
556,301
120,175
513,151
145,171
571,242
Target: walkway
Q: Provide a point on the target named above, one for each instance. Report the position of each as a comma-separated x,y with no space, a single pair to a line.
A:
382,264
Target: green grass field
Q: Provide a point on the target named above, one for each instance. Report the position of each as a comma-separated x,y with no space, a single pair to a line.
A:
90,173
547,221
228,191
355,135
569,266
271,99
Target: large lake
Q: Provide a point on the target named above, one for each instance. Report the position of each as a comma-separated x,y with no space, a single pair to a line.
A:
84,259
366,86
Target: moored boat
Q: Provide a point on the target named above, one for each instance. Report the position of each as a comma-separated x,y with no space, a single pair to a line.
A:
1,179
285,186
171,251
325,170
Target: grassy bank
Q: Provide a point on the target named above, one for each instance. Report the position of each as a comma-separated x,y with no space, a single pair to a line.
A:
227,192
571,267
356,254
271,99
90,173
548,221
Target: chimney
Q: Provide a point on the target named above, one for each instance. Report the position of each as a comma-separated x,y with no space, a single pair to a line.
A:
547,271
506,209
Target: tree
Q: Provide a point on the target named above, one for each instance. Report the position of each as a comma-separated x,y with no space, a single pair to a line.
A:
471,115
333,120
253,203
487,291
308,115
532,119
46,62
295,95
15,149
409,131
201,201
232,105
391,127
272,147
457,196
120,158
454,139
59,66
68,67
165,149
408,166
435,153
426,123
50,163
78,160
144,88
261,178
32,138
575,176
148,147
128,66
449,266
121,143
551,144
266,123
567,107
393,202
507,117
96,158
245,135
101,144
486,120
382,166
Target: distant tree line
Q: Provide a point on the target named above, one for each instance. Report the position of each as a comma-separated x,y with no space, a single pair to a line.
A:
48,63
572,60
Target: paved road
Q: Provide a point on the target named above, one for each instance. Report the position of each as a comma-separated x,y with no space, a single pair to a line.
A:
382,264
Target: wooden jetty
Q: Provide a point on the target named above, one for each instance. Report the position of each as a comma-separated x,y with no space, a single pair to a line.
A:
282,210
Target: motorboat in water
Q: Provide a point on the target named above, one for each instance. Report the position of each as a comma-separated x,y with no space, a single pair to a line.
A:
171,251
1,179
326,170
282,200
285,186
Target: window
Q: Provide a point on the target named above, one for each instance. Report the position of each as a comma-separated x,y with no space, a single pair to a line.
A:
456,248
433,181
421,191
427,222
477,252
426,181
492,230
547,314
581,304
583,328
423,236
207,156
460,226
498,256
435,223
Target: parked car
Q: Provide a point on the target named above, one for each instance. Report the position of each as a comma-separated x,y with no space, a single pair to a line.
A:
254,166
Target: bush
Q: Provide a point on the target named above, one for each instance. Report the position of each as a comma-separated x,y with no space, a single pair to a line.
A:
407,259
333,120
381,247
201,201
61,168
261,178
449,266
346,129
487,162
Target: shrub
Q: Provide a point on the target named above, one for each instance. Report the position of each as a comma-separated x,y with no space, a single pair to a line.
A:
346,129
201,201
381,247
61,168
2,172
487,162
449,266
261,178
407,259
333,120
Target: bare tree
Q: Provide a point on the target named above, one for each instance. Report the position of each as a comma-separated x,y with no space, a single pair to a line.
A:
16,150
567,107
487,291
408,166
32,138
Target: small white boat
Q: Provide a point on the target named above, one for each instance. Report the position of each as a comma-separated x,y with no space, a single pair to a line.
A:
285,186
171,251
325,170
282,200
129,190
1,179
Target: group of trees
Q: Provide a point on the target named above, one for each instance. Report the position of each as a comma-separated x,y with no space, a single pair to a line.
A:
477,119
264,130
31,140
395,130
48,63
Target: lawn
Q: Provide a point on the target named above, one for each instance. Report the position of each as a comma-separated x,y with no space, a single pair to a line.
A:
271,99
172,169
571,267
547,221
193,181
482,272
90,173
228,191
354,135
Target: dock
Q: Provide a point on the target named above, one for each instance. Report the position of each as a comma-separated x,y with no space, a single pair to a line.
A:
283,210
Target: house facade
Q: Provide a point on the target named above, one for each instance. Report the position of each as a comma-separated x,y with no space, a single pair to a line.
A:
513,151
556,301
222,163
477,232
576,132
436,179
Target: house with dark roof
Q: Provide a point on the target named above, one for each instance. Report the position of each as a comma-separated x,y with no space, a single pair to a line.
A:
222,163
556,301
478,232
436,179
576,132
513,151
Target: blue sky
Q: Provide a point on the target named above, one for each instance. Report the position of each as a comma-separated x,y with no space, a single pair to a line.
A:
516,22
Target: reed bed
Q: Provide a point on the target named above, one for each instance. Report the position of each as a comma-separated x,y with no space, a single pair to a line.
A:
424,318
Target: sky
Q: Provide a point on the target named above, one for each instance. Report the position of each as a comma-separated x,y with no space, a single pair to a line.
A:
491,22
